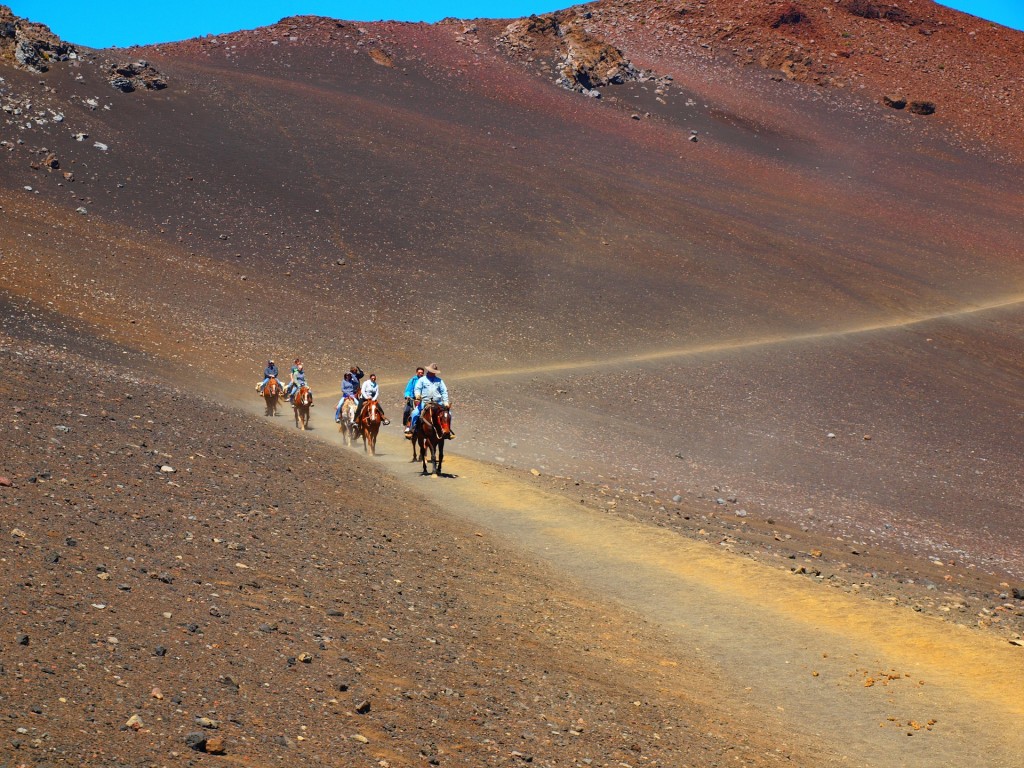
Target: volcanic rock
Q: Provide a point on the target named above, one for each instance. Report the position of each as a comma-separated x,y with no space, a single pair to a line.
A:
29,45
135,75
582,61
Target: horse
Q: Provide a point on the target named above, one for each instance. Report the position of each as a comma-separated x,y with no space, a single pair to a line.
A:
301,403
271,394
347,426
370,420
431,431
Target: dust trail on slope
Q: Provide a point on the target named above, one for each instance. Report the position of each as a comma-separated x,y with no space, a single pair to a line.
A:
739,344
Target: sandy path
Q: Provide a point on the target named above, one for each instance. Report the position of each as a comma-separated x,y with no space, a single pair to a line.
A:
877,686
673,353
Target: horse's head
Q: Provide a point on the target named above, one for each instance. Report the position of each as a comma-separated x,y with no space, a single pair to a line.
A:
305,397
444,420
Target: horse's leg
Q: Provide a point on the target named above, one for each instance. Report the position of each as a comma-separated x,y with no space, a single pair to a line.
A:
440,456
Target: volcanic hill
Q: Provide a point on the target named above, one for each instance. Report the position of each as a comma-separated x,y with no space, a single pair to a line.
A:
739,273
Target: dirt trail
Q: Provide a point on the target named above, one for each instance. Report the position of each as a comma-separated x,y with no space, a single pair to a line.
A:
739,344
880,686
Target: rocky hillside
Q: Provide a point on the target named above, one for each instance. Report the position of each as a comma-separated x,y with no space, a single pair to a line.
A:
912,55
29,45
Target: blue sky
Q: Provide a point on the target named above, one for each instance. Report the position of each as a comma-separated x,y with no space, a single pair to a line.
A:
103,23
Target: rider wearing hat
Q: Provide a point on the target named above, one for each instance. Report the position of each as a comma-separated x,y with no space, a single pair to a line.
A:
429,389
269,372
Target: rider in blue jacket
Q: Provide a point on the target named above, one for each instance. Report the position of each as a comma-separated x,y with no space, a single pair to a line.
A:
268,372
410,395
349,388
429,389
298,380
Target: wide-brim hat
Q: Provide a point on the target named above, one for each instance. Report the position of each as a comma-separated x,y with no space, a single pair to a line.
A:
432,368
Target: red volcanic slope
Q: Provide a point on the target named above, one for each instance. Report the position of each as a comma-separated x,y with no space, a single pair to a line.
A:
918,50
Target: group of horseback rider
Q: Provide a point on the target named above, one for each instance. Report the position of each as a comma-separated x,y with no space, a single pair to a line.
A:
425,387
352,387
296,380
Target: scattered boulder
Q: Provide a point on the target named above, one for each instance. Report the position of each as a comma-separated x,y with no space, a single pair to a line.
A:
790,15
382,57
866,9
135,75
921,107
582,61
896,102
196,740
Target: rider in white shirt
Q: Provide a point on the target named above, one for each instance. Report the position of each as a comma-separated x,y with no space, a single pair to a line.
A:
370,391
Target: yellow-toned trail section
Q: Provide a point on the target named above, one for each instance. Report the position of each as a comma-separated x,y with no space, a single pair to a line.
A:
653,356
873,684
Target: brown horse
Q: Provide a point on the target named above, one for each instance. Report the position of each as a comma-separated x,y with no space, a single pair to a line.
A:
347,426
301,403
370,420
271,394
431,431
